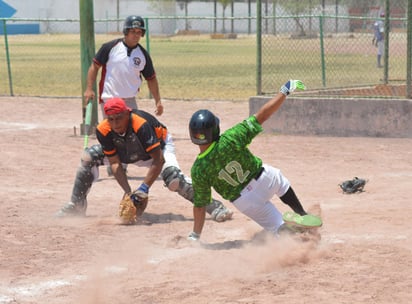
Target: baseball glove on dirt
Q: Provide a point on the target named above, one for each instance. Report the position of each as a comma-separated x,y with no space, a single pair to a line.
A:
352,186
127,211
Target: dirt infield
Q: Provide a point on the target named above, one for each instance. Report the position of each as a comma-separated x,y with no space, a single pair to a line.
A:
364,254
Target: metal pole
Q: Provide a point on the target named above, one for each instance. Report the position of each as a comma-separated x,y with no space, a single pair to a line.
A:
336,16
386,41
232,13
215,15
249,13
6,43
266,30
274,4
259,47
87,51
322,51
147,35
118,15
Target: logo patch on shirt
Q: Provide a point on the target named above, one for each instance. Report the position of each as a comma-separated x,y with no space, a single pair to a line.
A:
137,61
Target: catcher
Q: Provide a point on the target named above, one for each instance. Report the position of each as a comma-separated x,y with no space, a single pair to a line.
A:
133,137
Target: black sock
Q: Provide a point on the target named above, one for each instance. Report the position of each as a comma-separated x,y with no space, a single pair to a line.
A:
290,199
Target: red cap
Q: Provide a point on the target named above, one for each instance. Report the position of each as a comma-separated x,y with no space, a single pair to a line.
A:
115,106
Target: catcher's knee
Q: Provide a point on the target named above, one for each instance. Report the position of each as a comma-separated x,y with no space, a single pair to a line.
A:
175,181
87,172
93,156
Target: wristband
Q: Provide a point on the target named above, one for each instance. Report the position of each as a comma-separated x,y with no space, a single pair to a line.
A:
144,188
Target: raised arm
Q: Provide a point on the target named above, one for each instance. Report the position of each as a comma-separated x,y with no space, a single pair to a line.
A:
274,104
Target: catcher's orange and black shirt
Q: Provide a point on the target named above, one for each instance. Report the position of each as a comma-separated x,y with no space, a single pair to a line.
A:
144,135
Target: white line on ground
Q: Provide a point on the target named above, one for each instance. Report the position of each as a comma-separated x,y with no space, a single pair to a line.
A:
15,126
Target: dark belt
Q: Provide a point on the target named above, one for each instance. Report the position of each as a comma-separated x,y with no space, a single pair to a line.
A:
259,173
255,178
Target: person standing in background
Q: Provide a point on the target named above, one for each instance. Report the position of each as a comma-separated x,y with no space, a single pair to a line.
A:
378,38
124,61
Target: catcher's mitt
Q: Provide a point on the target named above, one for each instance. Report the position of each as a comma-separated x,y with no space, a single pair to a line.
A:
352,186
127,211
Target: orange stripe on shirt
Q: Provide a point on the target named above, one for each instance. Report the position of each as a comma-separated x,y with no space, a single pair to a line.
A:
110,153
137,122
104,127
152,147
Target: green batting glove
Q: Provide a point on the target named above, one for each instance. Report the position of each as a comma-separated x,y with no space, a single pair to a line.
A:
291,86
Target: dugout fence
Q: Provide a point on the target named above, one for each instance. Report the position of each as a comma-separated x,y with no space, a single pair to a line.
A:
217,58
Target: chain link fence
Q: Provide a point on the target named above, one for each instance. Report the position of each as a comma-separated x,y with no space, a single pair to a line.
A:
213,58
331,54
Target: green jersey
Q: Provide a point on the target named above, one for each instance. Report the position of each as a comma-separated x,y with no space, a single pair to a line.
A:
227,165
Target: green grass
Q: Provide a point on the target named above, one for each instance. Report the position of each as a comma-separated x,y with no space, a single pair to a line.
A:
198,67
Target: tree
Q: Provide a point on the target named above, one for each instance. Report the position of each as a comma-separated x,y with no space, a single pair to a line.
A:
165,8
296,8
224,4
185,4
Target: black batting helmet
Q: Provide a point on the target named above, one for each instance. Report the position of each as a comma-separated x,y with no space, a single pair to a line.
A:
132,22
204,127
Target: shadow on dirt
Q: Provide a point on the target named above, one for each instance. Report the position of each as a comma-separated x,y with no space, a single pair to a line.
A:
164,218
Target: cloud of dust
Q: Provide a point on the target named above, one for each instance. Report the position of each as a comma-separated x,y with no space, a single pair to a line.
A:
142,263
263,257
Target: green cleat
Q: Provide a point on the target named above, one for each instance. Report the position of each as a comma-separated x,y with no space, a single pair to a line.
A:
304,221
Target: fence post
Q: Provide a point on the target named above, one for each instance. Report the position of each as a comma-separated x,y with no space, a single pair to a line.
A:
249,14
322,50
6,43
386,41
147,35
258,47
274,3
87,51
146,20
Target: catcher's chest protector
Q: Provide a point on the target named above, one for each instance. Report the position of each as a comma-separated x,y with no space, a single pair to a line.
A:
129,148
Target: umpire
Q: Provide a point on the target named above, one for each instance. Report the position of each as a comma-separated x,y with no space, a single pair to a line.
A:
124,61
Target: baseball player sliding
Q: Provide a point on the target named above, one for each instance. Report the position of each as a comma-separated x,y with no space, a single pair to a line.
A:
227,165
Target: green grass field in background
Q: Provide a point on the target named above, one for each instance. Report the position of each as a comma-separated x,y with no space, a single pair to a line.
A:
198,67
